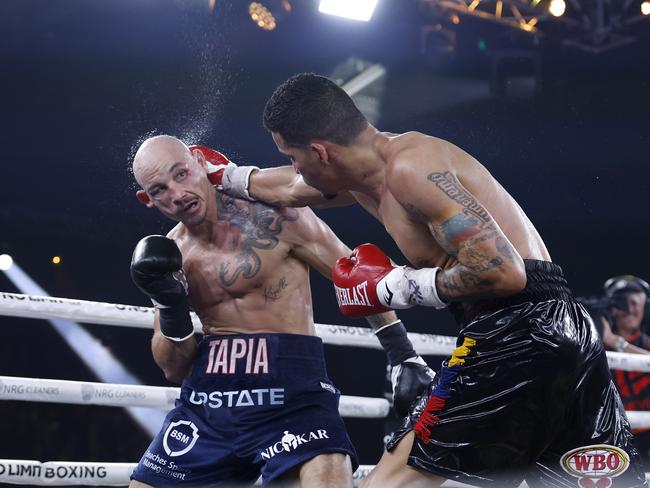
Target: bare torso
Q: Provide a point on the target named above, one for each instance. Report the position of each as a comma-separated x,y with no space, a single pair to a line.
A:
414,236
243,276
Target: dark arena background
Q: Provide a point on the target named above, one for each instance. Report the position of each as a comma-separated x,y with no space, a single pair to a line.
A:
556,107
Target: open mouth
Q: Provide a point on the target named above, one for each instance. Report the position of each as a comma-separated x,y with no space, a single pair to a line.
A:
190,207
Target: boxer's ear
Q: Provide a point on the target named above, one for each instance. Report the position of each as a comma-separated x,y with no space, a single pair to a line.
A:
321,150
144,199
200,157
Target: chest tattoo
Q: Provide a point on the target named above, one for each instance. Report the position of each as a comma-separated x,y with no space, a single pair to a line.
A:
260,227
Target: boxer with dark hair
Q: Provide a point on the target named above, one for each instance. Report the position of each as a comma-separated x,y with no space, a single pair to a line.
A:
527,394
255,396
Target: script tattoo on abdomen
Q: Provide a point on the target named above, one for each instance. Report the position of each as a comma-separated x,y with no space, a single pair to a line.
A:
272,293
260,226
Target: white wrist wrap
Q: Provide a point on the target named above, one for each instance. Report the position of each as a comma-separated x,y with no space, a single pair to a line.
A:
406,287
235,181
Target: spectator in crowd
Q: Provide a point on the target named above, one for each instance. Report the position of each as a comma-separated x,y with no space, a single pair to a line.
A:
621,324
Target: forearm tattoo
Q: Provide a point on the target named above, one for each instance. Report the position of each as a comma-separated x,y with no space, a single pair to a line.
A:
260,226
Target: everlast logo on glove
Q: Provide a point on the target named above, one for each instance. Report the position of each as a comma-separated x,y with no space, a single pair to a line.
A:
355,280
356,295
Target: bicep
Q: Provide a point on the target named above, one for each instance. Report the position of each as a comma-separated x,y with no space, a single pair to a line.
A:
458,221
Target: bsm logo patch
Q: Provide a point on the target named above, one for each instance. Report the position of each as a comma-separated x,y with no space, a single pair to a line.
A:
180,437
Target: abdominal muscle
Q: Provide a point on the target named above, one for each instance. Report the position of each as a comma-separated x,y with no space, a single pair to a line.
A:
263,310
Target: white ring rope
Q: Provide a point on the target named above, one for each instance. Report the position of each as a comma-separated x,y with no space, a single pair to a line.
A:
30,306
23,472
67,473
107,394
37,307
163,398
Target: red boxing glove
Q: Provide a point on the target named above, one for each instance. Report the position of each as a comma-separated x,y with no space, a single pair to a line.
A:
368,283
226,175
355,280
217,163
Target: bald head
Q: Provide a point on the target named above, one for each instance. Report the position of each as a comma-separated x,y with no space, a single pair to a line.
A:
158,150
173,179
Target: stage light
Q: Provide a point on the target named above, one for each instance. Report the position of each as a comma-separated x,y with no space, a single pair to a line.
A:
557,8
267,14
645,7
56,260
6,262
351,9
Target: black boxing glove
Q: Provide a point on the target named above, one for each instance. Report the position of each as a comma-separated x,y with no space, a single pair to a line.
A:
410,375
157,270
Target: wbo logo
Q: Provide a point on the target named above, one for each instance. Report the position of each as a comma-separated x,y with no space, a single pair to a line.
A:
180,437
599,462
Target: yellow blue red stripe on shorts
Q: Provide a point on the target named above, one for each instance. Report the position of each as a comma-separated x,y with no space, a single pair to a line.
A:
441,392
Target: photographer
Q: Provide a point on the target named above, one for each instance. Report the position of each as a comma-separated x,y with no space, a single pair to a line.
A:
621,319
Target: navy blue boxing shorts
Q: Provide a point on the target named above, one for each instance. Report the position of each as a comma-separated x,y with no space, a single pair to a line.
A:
253,404
526,395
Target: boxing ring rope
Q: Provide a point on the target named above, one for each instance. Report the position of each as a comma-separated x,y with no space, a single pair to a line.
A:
161,397
67,473
77,392
35,307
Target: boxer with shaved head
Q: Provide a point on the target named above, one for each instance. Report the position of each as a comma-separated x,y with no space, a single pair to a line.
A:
255,396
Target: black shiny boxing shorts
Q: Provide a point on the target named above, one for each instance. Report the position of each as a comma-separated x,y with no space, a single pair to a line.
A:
526,395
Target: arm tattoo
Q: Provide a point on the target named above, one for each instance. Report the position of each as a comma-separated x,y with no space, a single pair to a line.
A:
272,293
451,187
260,226
449,284
459,228
471,280
479,262
470,236
505,248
